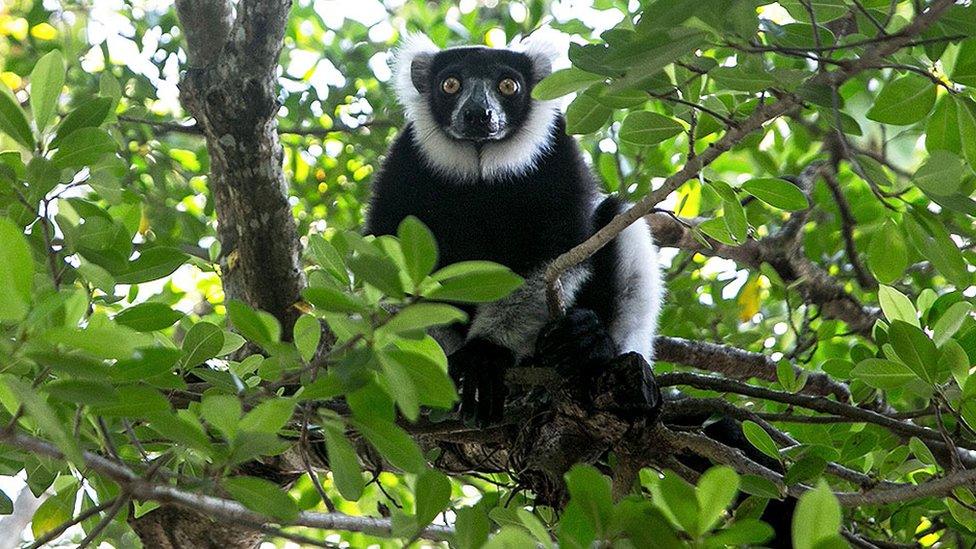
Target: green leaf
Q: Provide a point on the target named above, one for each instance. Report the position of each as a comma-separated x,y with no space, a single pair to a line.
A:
563,82
54,511
379,272
742,79
104,341
942,131
896,306
13,121
964,71
817,517
586,115
148,317
648,128
46,81
257,326
758,437
330,299
778,193
953,358
433,386
147,363
882,374
201,343
921,451
419,248
268,417
824,10
590,490
966,123
650,54
916,350
137,401
888,254
471,528
306,335
343,461
181,430
433,494
6,505
535,527
262,496
933,241
476,286
223,412
401,386
89,114
734,216
950,321
716,490
807,468
679,501
393,443
152,263
942,174
83,147
745,532
510,537
904,101
421,316
717,229
16,272
44,417
328,258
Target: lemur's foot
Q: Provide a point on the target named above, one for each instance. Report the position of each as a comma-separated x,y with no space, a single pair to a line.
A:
478,369
575,344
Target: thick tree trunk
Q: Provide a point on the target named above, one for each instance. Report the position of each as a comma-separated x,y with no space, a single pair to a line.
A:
233,96
230,87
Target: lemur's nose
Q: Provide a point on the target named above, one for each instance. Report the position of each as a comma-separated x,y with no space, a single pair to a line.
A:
478,115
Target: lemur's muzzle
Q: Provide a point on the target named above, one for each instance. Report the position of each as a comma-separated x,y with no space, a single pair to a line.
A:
478,115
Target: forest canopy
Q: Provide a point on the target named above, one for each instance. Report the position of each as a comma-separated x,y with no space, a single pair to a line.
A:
200,348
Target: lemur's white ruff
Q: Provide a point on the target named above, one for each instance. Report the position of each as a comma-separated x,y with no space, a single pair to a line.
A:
514,155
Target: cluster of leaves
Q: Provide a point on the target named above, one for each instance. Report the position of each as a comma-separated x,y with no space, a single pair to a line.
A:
107,347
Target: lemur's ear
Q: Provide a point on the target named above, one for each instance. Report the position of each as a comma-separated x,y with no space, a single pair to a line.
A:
541,49
420,71
411,63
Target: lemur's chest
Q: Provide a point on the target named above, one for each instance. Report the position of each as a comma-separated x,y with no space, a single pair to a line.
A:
519,229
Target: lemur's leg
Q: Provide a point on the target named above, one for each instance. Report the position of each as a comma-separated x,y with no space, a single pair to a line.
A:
625,292
501,334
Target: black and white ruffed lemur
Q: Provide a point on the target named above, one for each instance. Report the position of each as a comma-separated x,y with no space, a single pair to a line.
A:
492,173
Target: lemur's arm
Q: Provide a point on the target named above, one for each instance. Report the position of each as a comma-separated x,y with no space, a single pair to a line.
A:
515,321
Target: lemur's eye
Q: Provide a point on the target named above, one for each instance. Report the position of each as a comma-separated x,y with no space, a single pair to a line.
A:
451,85
508,86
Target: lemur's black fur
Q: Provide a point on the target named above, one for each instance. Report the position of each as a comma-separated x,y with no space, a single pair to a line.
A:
521,221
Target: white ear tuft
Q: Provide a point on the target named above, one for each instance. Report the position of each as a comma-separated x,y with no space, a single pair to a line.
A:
412,45
542,48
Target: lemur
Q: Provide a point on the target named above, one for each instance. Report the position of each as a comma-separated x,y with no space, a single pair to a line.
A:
492,173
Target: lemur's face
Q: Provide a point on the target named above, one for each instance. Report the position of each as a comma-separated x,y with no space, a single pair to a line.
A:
476,94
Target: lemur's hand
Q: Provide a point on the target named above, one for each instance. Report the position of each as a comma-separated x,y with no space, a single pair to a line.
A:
478,369
575,343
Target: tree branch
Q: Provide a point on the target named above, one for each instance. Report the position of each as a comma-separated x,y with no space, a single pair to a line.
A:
738,364
817,404
210,506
